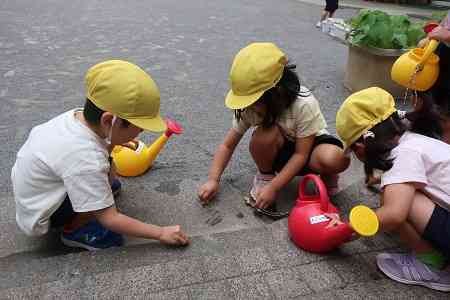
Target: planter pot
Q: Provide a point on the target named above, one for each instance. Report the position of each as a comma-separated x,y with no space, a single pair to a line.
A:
368,67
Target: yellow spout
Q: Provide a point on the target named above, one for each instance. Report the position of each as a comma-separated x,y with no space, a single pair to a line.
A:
153,150
136,158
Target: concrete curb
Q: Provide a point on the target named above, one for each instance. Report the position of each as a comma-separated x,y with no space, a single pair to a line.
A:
414,12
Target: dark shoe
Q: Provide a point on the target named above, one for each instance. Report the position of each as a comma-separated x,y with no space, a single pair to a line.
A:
92,236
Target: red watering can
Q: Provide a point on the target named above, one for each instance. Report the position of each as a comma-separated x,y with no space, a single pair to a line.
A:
307,223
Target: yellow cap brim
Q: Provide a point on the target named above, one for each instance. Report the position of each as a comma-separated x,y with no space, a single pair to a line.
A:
234,101
155,124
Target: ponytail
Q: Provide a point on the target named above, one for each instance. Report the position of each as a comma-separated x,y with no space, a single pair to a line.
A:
379,142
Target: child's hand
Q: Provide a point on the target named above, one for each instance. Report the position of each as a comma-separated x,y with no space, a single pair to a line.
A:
335,219
173,235
133,144
265,197
440,33
208,190
423,42
373,180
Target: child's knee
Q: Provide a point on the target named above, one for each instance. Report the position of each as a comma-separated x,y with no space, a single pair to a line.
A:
331,159
266,137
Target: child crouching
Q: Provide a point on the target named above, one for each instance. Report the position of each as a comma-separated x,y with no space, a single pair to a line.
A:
415,185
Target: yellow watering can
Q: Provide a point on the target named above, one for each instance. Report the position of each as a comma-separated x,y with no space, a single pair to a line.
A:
417,69
134,158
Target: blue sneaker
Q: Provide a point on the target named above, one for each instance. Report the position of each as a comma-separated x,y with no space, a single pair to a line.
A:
92,236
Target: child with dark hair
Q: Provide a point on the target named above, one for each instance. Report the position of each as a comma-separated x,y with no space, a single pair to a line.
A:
290,136
442,34
431,109
415,185
328,12
431,114
62,175
434,105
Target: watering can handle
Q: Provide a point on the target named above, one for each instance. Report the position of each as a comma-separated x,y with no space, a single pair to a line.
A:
323,194
429,49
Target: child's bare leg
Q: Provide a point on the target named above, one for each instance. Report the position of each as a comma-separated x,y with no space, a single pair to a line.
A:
264,147
420,213
412,230
324,15
409,235
328,159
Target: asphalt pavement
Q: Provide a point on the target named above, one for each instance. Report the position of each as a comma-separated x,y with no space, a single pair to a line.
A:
187,46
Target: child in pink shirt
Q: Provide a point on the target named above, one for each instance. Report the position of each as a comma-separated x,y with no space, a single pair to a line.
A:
415,185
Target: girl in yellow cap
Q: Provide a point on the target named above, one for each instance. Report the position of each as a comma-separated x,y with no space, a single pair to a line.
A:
290,136
415,185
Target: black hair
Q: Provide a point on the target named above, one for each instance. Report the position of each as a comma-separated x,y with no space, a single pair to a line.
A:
435,108
379,146
92,114
278,98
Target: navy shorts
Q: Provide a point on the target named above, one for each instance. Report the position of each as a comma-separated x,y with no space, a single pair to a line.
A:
64,214
332,6
437,231
288,150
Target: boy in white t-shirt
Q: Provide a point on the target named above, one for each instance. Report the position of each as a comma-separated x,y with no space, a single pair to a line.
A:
62,173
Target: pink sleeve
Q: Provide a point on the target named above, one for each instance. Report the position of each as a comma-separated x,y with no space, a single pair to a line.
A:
408,166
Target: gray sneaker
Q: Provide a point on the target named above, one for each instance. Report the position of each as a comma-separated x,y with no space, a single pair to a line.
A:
405,268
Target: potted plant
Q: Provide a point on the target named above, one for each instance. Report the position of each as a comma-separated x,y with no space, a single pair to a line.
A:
376,40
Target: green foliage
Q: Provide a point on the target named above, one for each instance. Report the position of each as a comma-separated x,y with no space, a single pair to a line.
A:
439,15
375,28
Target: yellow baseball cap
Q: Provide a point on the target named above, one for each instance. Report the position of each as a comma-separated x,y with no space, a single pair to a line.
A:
361,111
255,69
124,89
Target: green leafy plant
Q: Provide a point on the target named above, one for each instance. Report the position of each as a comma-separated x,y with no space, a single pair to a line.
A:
374,28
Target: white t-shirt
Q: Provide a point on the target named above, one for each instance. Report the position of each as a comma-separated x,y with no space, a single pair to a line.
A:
60,157
423,160
302,119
